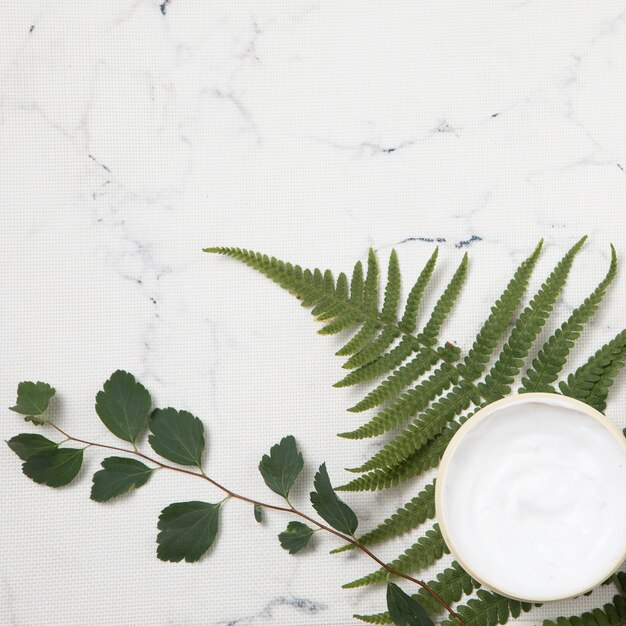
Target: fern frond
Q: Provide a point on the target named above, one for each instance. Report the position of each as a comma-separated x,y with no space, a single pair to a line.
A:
392,289
407,405
421,554
590,383
430,423
355,298
414,465
374,349
408,322
427,337
434,419
375,618
528,325
357,345
553,355
611,614
407,517
403,376
450,585
370,291
360,339
488,609
396,356
501,315
444,305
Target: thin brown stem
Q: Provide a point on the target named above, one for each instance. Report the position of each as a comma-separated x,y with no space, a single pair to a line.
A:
290,509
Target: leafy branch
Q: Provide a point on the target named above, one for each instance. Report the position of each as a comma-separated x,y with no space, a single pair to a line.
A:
429,387
189,529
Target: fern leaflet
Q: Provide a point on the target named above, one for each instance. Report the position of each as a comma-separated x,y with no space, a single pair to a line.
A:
450,585
611,614
411,515
489,609
553,355
590,383
528,325
424,552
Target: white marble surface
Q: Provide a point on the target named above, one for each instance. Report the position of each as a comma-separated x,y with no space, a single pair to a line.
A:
133,134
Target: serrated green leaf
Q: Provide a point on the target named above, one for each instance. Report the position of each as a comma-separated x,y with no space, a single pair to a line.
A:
124,406
119,475
296,537
188,529
54,467
26,445
177,436
328,505
32,400
258,513
281,467
404,610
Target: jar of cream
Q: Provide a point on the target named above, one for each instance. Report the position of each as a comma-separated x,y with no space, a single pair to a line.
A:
531,497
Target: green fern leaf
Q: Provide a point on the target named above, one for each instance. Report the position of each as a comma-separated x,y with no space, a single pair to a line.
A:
498,382
375,618
501,315
421,554
611,614
430,423
591,382
405,375
488,609
434,419
413,465
450,585
392,289
427,337
374,349
408,322
355,298
408,404
407,517
553,355
444,305
382,365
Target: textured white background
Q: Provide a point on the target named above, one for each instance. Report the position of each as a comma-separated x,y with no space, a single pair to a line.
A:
132,135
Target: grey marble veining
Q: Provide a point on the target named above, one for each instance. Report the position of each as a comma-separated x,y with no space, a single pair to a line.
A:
133,133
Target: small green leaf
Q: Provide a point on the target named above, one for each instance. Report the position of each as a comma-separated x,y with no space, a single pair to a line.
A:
281,467
258,513
296,537
124,406
28,444
188,529
326,502
404,610
177,436
32,400
118,476
54,467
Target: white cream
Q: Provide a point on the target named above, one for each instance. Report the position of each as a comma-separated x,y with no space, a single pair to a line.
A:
534,499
